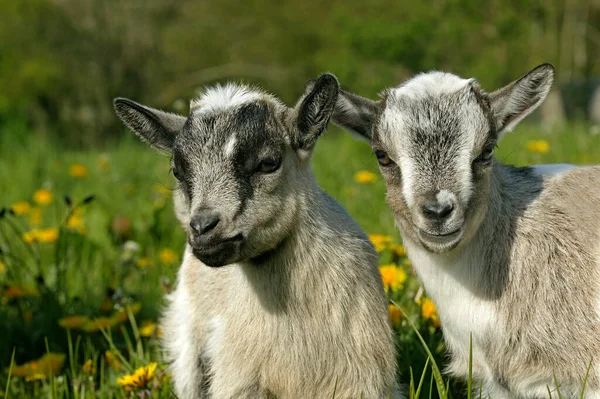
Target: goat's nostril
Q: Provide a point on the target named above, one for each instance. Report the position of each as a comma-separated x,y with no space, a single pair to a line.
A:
437,211
204,222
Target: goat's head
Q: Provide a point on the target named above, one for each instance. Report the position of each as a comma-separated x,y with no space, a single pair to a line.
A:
434,138
241,162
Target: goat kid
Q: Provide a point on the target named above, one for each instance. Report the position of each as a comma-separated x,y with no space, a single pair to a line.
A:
279,292
511,256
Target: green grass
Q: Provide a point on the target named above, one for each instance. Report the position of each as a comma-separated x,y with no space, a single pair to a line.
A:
93,273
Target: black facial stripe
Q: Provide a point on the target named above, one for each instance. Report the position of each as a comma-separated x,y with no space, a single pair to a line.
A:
252,116
250,124
183,171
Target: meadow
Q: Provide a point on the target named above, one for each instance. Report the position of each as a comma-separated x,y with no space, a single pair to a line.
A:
89,246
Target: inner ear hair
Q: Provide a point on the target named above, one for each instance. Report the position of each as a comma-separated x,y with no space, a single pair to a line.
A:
157,128
316,108
515,101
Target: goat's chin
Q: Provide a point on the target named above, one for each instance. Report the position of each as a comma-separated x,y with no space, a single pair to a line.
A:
438,248
440,243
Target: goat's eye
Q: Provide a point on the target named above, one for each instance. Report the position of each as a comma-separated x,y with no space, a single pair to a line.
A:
383,158
487,154
269,165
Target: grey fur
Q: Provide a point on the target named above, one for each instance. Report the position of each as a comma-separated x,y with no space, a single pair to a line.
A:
522,273
297,308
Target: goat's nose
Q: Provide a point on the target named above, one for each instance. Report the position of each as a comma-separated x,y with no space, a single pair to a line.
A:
437,211
204,221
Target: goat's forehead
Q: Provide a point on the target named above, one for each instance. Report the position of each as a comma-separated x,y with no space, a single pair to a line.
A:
430,123
223,98
247,121
431,84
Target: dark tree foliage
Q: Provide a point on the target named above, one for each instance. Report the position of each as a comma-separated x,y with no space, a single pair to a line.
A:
63,60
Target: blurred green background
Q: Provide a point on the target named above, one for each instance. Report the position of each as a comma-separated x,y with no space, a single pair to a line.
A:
62,61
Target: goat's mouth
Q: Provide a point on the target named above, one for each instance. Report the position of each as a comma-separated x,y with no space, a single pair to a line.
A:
219,253
440,241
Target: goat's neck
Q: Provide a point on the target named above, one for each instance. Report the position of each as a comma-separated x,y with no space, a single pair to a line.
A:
279,278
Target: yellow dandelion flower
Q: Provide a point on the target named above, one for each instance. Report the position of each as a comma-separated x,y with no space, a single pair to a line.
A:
123,315
147,328
380,241
393,277
143,262
397,250
47,235
21,207
43,197
35,216
78,170
539,146
88,367
73,322
2,267
49,364
139,379
395,314
17,291
429,311
111,359
167,256
100,323
75,222
365,177
41,235
35,377
30,236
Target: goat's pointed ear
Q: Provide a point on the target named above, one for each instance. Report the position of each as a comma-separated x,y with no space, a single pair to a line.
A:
157,128
515,101
315,109
355,114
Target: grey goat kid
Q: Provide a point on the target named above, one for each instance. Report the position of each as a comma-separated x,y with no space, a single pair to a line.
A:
279,292
510,255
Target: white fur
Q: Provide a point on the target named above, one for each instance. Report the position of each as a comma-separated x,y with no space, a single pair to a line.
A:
230,146
182,342
393,121
445,197
219,98
430,84
462,313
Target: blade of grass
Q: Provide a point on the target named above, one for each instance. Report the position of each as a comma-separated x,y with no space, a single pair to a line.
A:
557,385
51,372
12,363
439,381
418,393
431,386
335,388
411,386
587,374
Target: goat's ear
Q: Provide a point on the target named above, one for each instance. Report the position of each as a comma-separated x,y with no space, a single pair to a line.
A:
157,128
515,101
315,108
355,114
